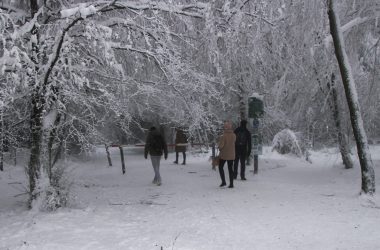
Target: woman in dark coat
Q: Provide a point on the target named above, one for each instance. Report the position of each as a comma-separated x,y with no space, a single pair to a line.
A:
180,145
155,146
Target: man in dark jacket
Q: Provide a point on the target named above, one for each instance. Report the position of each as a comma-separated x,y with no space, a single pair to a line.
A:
155,146
180,145
242,148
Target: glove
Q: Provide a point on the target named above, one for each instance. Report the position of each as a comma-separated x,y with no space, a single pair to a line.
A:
166,157
145,156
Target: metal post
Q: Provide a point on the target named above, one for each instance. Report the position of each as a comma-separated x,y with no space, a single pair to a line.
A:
255,142
255,164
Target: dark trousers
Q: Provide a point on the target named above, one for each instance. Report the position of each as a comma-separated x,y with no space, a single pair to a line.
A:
184,157
240,155
230,171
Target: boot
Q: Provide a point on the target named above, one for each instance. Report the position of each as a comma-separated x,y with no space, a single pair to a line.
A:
221,172
184,159
176,158
231,175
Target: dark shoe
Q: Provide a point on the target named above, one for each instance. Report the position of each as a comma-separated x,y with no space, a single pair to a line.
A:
230,186
243,179
176,162
183,163
222,185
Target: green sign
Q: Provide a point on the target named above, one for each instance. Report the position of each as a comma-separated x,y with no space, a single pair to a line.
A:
255,107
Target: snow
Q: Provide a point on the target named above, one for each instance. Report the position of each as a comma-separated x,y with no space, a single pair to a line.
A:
49,119
290,204
82,9
257,95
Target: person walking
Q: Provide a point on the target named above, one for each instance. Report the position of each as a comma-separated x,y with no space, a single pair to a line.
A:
155,146
180,145
226,147
242,148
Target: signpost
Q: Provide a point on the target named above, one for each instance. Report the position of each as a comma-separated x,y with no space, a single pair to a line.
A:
255,113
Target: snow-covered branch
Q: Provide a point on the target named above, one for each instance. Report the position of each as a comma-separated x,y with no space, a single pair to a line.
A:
146,53
260,17
191,10
351,24
57,50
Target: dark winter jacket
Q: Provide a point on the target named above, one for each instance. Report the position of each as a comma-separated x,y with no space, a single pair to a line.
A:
155,144
180,138
243,142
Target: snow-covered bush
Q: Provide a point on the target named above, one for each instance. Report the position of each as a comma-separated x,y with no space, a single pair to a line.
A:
57,194
286,142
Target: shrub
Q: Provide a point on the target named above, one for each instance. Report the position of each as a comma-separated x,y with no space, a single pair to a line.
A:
286,142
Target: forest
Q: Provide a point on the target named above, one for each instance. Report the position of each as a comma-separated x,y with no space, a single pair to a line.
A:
79,73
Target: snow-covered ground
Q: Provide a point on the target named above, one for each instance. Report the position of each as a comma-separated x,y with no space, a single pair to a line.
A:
290,204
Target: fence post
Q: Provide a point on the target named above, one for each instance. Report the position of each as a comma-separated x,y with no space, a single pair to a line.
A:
108,156
122,159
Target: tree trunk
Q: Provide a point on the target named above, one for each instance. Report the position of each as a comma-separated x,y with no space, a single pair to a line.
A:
35,143
242,103
1,138
33,7
367,171
53,137
36,114
342,137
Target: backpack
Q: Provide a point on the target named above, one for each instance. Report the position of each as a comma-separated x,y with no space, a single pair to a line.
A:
241,138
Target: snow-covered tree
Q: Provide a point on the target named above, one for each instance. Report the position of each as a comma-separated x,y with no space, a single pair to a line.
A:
368,174
78,61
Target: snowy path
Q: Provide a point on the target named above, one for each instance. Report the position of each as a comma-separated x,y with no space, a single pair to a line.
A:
291,204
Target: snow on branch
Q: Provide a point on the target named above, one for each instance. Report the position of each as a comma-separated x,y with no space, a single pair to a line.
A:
191,10
8,8
27,27
348,26
57,50
82,9
143,52
260,17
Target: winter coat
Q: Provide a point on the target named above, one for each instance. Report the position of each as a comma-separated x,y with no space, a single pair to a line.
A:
246,145
155,145
180,137
227,145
